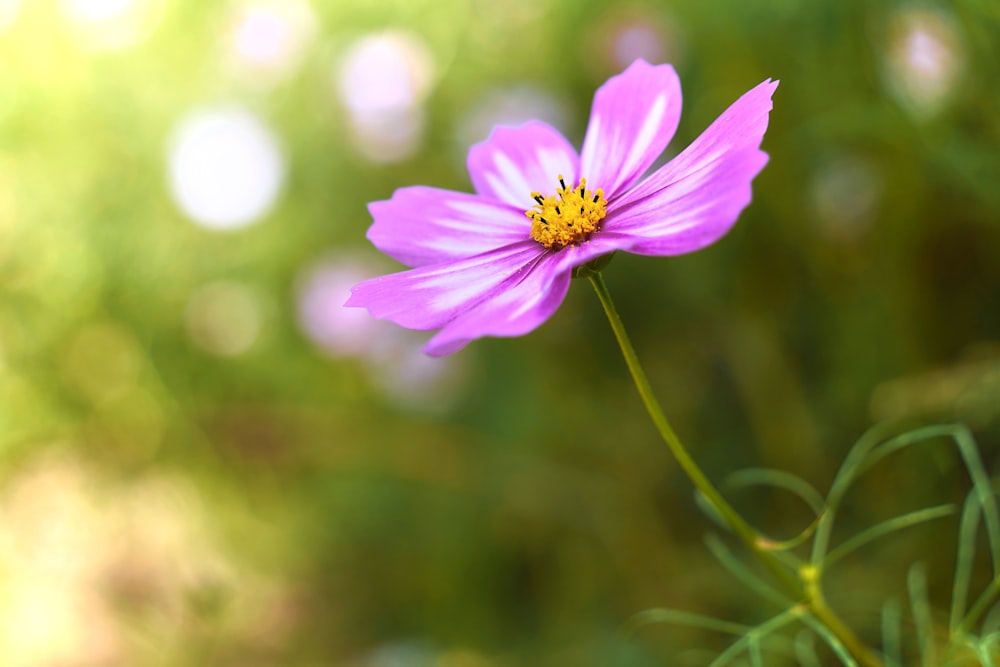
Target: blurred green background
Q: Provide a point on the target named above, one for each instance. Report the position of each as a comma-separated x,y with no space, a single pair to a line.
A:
205,461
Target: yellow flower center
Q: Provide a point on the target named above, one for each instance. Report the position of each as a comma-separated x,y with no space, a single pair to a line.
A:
569,216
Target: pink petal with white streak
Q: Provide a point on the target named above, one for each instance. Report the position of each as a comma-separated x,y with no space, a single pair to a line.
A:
696,198
422,225
521,307
429,297
634,116
516,161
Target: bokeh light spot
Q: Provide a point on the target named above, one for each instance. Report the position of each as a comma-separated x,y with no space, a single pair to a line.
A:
383,80
269,39
388,136
385,71
638,40
322,291
226,168
392,356
411,379
845,193
924,59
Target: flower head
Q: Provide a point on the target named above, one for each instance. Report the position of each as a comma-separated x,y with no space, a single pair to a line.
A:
499,262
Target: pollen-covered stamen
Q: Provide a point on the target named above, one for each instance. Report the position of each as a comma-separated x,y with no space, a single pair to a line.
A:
570,216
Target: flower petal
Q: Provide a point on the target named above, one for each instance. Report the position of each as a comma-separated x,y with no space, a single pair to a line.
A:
635,114
520,307
516,161
429,297
422,225
695,198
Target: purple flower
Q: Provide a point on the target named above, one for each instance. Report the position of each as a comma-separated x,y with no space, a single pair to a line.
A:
499,262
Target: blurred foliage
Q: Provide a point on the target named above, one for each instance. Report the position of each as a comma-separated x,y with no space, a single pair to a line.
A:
192,479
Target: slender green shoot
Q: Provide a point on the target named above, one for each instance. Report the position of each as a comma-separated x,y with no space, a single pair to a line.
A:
964,562
983,489
786,481
982,650
892,641
831,640
985,600
688,619
920,607
781,480
991,624
755,635
743,573
802,583
886,527
869,450
805,649
841,483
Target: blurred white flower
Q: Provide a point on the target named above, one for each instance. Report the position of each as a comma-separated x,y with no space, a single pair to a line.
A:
392,356
388,137
226,168
411,378
924,59
626,31
383,80
638,40
322,290
385,71
268,39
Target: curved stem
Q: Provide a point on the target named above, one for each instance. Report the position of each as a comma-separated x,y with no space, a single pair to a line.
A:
803,585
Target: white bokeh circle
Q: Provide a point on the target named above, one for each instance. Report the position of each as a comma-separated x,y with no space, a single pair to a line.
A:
225,167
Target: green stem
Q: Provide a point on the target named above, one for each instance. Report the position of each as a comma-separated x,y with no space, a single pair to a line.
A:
805,585
987,598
